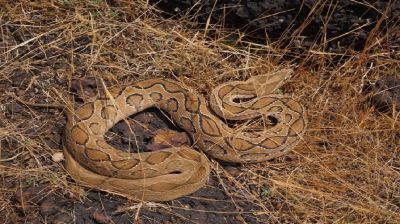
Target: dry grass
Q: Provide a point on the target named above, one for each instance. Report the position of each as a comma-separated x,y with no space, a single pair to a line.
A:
345,171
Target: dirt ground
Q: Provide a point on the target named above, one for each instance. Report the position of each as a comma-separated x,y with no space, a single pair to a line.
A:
345,170
333,25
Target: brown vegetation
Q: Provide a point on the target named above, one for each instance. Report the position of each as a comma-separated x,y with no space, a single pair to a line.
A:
346,170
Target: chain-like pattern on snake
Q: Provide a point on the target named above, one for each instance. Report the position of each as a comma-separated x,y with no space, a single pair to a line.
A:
171,173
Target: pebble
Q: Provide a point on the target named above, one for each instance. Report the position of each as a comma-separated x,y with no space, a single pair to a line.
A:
19,92
100,217
62,218
14,108
232,170
385,93
57,157
49,207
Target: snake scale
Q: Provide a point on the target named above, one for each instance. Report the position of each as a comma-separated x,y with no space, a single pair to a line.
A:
177,171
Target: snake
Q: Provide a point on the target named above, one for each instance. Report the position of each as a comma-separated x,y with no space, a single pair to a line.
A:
174,172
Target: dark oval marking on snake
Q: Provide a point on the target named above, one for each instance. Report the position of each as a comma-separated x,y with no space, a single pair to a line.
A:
246,87
109,112
223,91
85,111
172,105
134,99
157,157
190,155
156,96
125,164
241,144
208,126
192,103
96,155
80,136
215,147
185,122
96,128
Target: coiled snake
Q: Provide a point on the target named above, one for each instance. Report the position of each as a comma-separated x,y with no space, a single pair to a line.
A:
171,173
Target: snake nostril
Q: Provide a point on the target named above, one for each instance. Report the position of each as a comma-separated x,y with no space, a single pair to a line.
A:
271,120
176,172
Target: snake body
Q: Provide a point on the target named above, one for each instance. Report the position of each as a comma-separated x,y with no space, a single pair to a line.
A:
171,173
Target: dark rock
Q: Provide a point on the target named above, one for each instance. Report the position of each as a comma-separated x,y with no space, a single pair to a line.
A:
232,170
385,93
62,218
14,108
100,217
49,206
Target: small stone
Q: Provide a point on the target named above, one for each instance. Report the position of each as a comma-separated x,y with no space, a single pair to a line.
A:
62,218
57,157
232,170
14,108
28,197
49,207
166,138
385,93
100,217
20,92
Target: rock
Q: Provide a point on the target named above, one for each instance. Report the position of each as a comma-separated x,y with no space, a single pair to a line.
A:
20,92
57,157
85,87
28,197
100,217
62,218
385,93
14,108
232,170
49,206
166,139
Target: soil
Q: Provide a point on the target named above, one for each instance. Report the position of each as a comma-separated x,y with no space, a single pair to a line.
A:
337,26
209,204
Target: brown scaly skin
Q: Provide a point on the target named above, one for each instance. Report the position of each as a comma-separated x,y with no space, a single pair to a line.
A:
171,173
